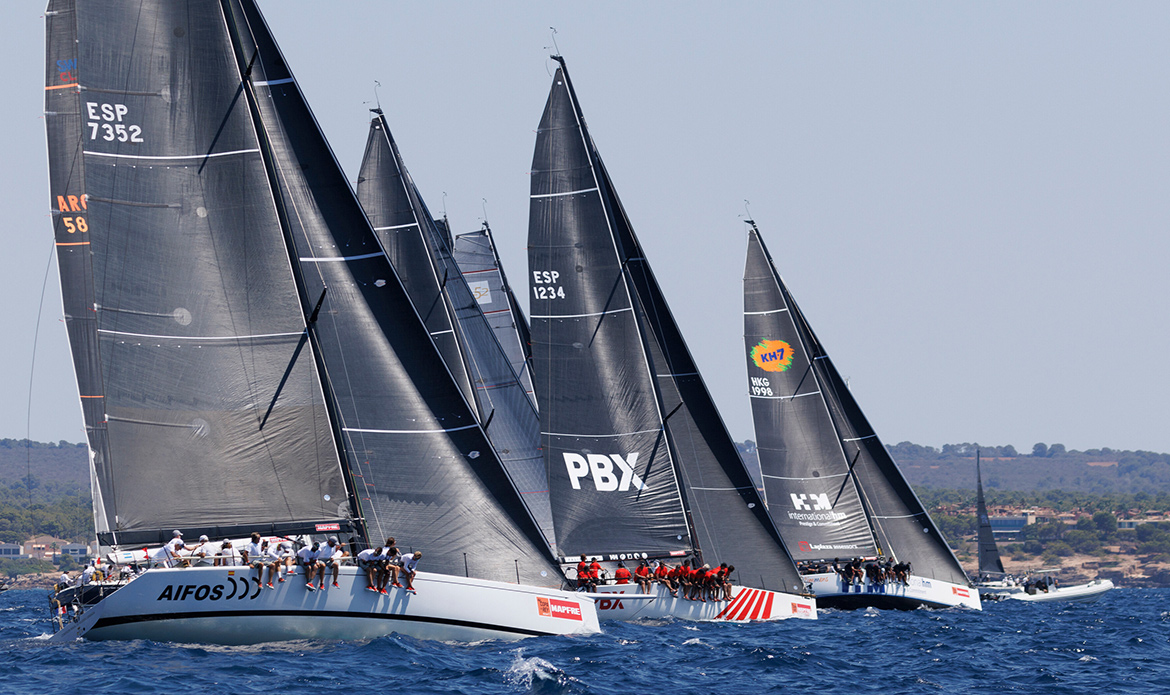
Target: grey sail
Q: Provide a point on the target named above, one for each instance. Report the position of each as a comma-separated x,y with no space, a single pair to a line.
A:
402,226
505,408
729,520
989,560
475,252
612,479
182,321
777,335
424,469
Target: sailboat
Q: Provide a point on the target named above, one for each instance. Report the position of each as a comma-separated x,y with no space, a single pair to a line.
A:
995,584
830,485
420,250
478,260
249,361
640,464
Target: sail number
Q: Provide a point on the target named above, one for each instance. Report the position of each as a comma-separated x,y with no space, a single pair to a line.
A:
107,121
761,386
75,224
544,284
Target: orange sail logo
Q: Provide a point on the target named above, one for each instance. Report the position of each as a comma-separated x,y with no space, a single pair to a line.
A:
772,355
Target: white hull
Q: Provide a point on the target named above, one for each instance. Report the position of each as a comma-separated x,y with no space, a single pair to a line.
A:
747,605
225,605
1079,592
831,592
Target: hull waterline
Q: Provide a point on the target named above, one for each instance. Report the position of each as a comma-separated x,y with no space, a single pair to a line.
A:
221,605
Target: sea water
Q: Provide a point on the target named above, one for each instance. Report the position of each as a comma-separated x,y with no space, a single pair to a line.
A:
1120,644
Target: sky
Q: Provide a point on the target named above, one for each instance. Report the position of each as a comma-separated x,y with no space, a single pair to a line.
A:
968,200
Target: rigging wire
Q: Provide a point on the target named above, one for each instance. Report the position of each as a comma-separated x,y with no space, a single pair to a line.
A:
31,372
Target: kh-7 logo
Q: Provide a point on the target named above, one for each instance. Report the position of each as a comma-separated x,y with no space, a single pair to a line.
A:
602,468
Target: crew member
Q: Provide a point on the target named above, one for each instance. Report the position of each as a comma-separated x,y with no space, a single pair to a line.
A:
307,558
409,563
621,575
328,557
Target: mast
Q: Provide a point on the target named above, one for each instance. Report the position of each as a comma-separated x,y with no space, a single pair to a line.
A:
989,560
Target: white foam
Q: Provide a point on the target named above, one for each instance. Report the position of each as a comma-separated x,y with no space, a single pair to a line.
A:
523,672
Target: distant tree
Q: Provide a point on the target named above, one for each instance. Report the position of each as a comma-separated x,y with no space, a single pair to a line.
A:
1056,450
1008,451
1105,522
1039,449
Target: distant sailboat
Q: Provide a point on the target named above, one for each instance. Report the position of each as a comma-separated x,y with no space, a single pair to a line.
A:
248,359
640,464
831,487
995,584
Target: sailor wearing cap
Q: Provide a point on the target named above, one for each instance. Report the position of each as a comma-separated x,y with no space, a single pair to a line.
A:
307,558
409,562
329,556
287,560
171,555
201,554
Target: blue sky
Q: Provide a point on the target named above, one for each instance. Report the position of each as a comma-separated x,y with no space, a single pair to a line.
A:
967,199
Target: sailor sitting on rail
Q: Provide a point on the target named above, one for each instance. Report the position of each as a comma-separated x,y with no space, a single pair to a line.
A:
642,577
373,562
227,556
307,558
329,557
409,563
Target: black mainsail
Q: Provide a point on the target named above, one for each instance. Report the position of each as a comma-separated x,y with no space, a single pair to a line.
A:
592,285
989,560
831,486
475,252
183,322
255,351
388,194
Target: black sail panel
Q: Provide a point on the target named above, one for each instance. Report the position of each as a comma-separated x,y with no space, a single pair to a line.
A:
989,559
475,252
505,408
208,419
63,130
424,471
612,482
383,189
728,517
811,493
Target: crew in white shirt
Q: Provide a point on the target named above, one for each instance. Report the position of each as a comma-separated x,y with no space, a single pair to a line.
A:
255,554
227,556
286,560
409,563
201,554
173,556
307,558
329,556
374,563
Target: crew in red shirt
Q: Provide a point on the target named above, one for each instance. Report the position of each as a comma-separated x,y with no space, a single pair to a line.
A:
584,580
621,575
642,577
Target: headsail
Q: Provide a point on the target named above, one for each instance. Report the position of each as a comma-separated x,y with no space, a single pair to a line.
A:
505,407
989,559
185,326
793,384
475,252
424,468
612,478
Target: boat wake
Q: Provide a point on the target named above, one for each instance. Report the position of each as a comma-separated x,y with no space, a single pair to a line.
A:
536,675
